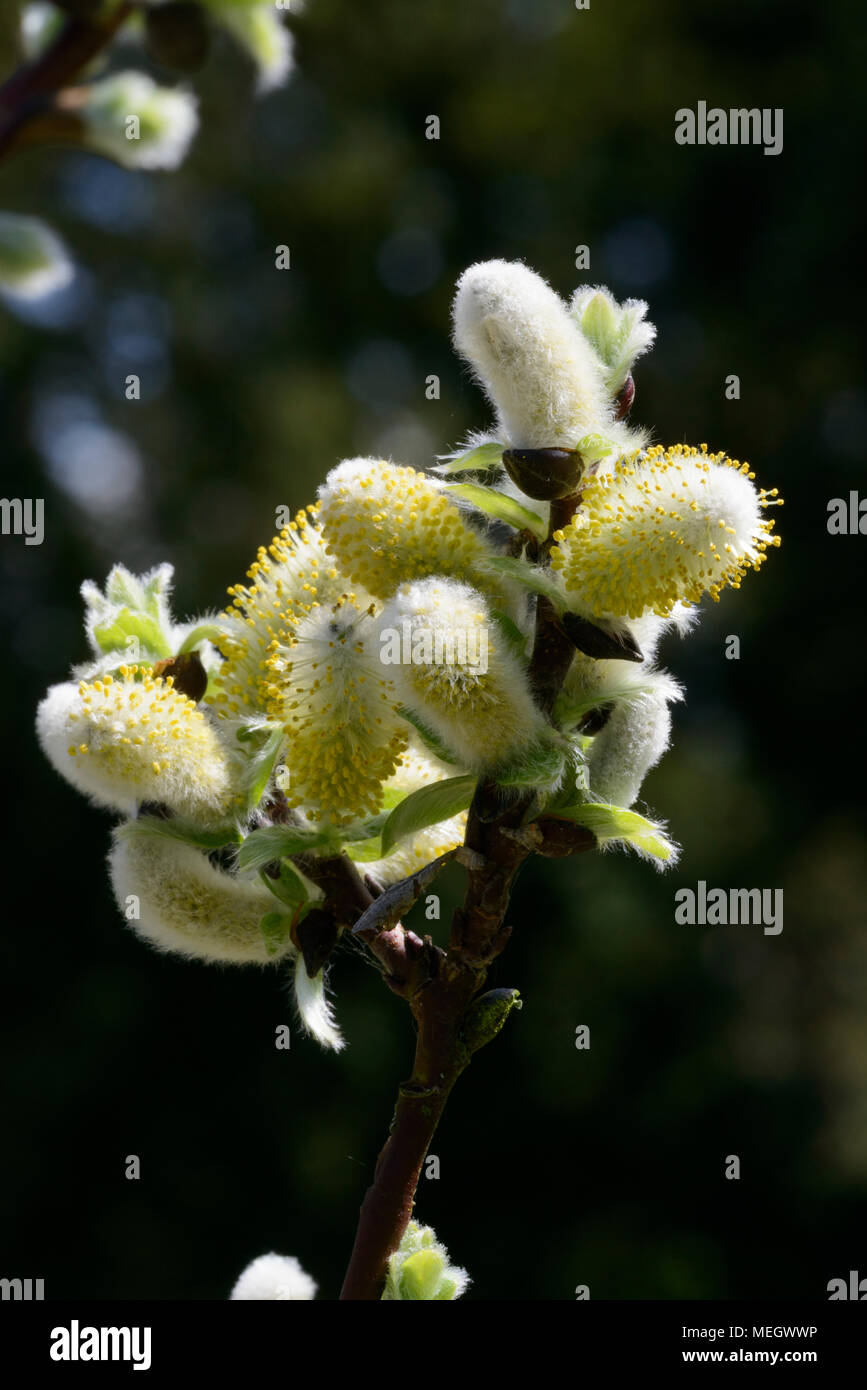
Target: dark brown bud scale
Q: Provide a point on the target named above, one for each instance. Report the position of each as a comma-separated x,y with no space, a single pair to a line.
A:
625,398
595,720
561,838
599,642
544,474
189,676
315,937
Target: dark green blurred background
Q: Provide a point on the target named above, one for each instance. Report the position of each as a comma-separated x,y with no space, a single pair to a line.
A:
559,1167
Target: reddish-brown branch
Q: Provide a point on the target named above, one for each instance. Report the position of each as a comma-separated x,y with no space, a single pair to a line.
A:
387,1206
439,987
24,97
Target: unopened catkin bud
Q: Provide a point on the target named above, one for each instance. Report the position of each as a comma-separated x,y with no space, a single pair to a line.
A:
631,742
620,333
538,370
420,1270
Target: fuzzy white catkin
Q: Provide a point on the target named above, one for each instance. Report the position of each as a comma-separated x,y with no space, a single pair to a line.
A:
135,738
540,373
314,1010
638,728
185,905
661,529
483,715
288,578
274,1277
386,525
633,740
336,703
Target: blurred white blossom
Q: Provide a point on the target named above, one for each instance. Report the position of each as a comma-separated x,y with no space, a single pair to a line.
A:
33,260
278,1277
132,119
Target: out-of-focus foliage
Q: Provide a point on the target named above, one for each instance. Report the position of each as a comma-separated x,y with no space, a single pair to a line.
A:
557,130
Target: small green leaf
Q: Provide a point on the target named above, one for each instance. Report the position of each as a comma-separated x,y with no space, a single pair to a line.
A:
484,456
530,577
593,447
275,927
540,765
447,1291
498,505
272,842
248,733
123,588
114,635
613,823
189,834
514,637
574,784
289,888
261,766
366,851
432,741
155,589
420,1275
205,632
428,806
